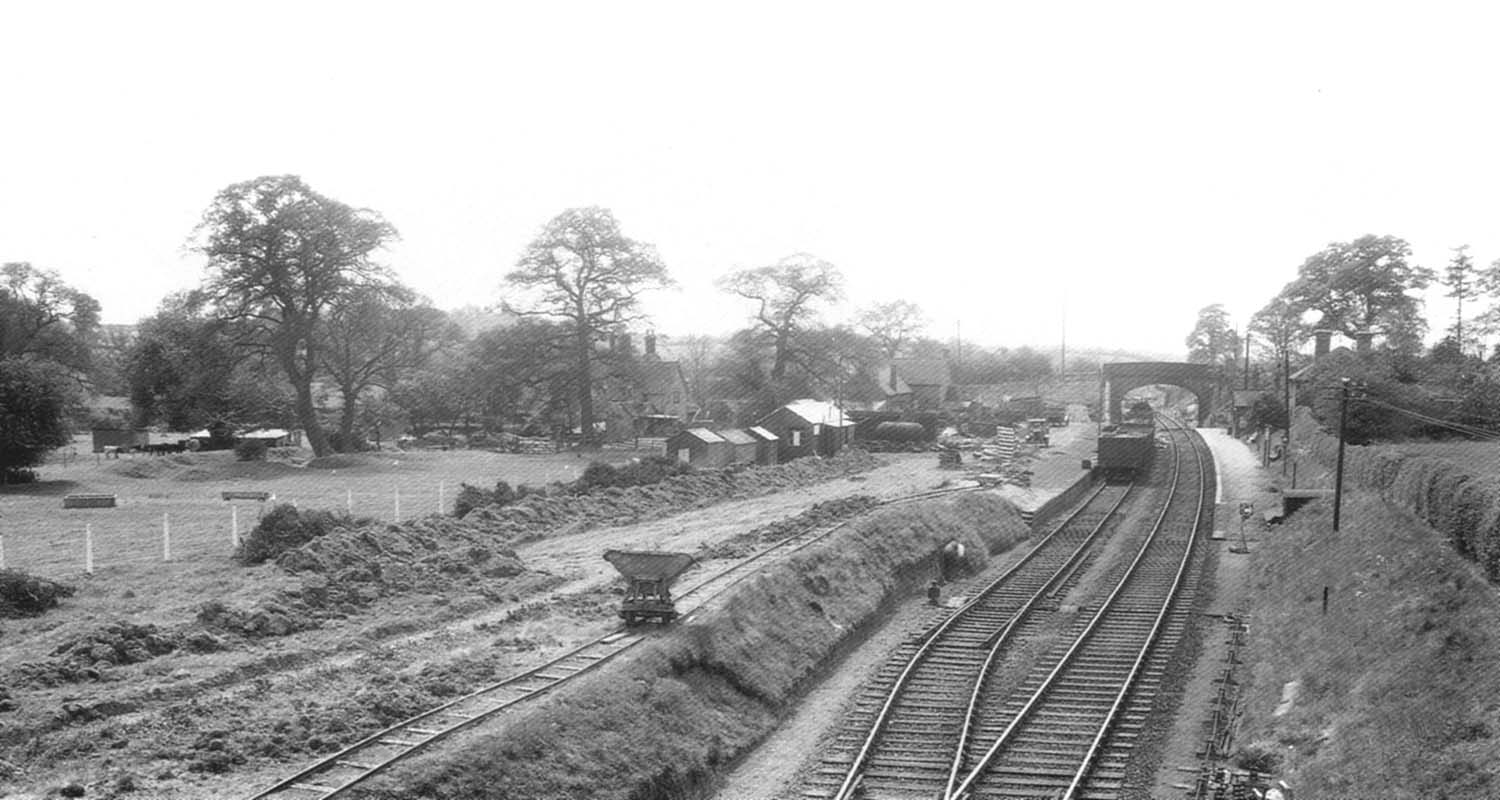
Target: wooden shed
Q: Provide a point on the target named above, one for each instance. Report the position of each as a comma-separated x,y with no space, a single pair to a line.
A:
809,427
699,447
743,447
766,445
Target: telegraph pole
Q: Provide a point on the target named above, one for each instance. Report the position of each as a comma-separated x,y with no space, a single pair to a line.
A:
1338,479
1286,391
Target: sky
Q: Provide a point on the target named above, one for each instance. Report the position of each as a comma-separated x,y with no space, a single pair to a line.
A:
1024,172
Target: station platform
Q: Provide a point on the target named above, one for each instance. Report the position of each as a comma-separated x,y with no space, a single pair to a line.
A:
1056,469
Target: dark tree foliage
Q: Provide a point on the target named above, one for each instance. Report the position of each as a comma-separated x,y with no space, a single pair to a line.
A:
1372,378
185,372
280,256
34,397
1364,285
286,528
42,317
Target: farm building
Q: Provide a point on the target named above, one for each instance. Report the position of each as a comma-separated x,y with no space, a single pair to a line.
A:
809,427
273,437
743,446
118,439
766,445
699,447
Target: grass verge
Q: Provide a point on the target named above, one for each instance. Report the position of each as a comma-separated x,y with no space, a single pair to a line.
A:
1397,685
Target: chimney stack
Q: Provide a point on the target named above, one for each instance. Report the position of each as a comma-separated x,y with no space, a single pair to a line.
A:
1362,341
651,343
1321,338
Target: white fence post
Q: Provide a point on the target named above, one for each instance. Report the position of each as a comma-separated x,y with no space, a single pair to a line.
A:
166,537
398,503
349,502
234,525
440,498
88,549
2,551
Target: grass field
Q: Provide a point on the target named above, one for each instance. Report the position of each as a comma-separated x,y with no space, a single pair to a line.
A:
183,494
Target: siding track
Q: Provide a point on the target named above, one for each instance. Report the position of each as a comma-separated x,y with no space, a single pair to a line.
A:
332,776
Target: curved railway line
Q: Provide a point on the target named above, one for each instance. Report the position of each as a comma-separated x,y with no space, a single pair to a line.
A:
335,774
937,723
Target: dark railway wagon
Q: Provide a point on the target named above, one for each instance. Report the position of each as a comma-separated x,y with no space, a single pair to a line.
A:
1125,450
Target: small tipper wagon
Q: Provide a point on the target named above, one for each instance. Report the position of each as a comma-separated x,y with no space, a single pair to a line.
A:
648,575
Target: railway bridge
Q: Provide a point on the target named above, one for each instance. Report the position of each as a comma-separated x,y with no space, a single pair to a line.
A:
1121,377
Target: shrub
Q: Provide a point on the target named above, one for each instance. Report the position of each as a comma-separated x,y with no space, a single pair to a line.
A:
353,443
22,594
251,450
17,475
596,475
286,528
470,498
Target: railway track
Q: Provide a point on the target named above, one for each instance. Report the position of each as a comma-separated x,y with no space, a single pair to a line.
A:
1068,733
900,744
335,774
936,721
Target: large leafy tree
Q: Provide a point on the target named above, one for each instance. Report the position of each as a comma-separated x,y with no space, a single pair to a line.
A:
788,297
373,337
184,371
1279,330
280,256
582,271
34,396
42,317
1364,285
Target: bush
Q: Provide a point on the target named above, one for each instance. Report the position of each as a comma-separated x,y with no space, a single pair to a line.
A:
470,498
24,595
251,450
286,528
353,443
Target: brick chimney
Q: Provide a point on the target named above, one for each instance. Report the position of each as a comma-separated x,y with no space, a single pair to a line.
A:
650,343
1362,341
1321,339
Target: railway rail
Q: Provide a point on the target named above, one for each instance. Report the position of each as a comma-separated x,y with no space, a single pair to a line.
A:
931,728
1069,736
337,773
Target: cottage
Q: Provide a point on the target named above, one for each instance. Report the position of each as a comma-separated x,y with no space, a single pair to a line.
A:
699,447
809,427
929,380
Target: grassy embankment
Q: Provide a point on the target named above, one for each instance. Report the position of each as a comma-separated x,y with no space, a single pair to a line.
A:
1398,684
661,723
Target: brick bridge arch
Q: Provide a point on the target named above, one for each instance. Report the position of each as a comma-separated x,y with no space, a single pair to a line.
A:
1121,377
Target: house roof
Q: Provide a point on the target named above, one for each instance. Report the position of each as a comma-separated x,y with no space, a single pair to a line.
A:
820,412
660,377
924,371
763,434
737,436
702,434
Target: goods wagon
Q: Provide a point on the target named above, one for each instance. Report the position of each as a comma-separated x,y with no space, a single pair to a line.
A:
1125,450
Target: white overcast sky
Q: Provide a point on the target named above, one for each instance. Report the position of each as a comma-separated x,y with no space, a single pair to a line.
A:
993,162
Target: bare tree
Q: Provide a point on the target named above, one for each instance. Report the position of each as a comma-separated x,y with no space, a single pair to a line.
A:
892,324
583,271
788,296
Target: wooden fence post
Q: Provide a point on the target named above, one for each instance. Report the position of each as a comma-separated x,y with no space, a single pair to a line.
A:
2,551
440,498
398,503
88,549
349,502
234,525
166,537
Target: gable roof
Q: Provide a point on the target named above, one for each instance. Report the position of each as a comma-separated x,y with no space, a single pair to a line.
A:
703,434
820,412
763,434
736,436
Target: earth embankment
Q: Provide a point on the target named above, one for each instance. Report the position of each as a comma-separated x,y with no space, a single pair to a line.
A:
680,708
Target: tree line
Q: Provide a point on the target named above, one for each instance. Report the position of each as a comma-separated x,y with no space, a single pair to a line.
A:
297,323
1368,289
